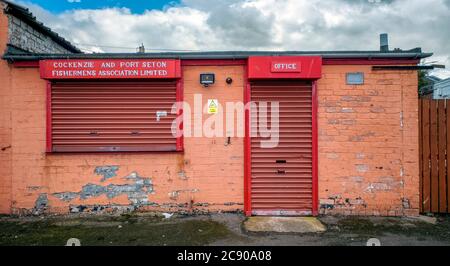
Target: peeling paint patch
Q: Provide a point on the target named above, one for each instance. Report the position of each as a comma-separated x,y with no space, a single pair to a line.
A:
102,208
378,187
180,208
201,204
386,183
66,196
40,204
182,175
338,202
92,190
108,171
173,195
405,203
137,191
76,209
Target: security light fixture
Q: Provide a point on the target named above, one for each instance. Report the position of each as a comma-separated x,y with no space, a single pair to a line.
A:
207,79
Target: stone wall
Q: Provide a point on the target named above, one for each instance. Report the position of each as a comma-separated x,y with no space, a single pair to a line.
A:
23,36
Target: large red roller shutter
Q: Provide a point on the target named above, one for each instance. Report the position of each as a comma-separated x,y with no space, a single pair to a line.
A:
112,116
281,177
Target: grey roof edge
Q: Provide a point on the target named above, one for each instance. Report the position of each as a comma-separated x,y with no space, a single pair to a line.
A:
24,14
233,55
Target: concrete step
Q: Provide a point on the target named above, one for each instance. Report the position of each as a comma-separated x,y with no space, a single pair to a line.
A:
284,224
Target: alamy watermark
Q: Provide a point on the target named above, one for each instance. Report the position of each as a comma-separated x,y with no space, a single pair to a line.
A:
228,120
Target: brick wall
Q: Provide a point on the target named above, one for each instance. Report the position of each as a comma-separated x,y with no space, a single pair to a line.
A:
207,176
23,36
368,152
368,143
5,123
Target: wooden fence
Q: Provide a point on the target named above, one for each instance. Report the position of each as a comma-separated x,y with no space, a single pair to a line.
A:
434,140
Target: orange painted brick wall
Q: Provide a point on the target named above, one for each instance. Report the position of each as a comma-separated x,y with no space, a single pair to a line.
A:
368,151
368,142
5,121
208,175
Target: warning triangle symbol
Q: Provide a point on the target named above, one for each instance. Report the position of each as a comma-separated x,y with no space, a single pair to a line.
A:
213,104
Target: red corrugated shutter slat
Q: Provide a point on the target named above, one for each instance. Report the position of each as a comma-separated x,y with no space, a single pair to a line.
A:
282,176
105,116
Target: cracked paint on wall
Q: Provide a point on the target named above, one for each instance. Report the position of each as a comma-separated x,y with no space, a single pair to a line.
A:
386,183
66,196
175,194
40,204
137,191
108,171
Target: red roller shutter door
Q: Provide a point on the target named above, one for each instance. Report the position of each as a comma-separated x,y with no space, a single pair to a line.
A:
112,116
281,182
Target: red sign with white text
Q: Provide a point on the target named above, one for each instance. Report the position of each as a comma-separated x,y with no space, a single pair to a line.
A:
285,67
110,68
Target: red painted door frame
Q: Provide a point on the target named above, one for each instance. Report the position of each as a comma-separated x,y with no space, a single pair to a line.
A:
315,150
247,149
180,103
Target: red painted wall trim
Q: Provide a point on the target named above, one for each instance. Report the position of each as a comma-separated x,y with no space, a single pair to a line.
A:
315,155
26,64
213,62
366,61
49,143
247,148
180,97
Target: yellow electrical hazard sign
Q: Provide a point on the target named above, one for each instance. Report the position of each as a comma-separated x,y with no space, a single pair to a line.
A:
213,106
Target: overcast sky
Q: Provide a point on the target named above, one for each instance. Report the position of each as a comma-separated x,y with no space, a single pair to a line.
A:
120,26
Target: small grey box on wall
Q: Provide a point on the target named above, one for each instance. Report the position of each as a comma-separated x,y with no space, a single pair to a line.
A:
356,78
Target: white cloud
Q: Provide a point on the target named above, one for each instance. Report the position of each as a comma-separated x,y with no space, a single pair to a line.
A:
262,25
